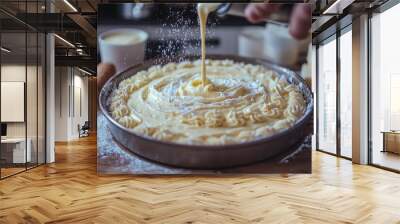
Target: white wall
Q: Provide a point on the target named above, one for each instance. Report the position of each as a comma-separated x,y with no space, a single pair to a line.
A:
12,73
70,83
61,104
33,127
80,110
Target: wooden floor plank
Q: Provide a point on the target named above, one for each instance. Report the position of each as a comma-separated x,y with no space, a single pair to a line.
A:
70,191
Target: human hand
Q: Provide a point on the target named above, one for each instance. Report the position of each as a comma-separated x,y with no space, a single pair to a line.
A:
104,73
300,19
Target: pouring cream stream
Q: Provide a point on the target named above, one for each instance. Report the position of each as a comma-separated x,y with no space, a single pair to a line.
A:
203,9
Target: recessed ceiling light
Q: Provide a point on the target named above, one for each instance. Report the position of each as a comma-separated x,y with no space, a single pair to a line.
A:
70,5
84,71
5,50
338,6
64,40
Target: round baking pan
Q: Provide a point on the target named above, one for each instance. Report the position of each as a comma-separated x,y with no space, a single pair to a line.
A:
208,156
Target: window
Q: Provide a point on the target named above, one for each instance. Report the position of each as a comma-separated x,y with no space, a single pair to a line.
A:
346,93
327,96
385,89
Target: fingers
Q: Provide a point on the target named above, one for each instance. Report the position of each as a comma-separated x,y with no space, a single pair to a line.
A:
104,72
257,12
300,21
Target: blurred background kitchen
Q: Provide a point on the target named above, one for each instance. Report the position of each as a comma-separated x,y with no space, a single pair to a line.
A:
174,30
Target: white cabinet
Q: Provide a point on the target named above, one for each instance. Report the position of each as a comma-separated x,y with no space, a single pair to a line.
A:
16,147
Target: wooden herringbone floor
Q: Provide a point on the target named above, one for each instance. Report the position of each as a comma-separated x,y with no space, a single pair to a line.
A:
70,191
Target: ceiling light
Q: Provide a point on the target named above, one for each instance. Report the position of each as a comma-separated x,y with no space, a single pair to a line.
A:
329,9
338,6
79,51
5,50
70,5
65,41
84,71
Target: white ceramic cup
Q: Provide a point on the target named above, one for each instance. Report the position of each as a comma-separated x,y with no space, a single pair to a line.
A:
123,47
280,47
251,42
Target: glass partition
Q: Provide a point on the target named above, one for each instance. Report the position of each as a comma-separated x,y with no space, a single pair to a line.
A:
32,98
15,151
41,97
23,91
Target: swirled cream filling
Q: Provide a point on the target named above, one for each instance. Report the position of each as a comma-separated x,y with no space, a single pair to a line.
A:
239,103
